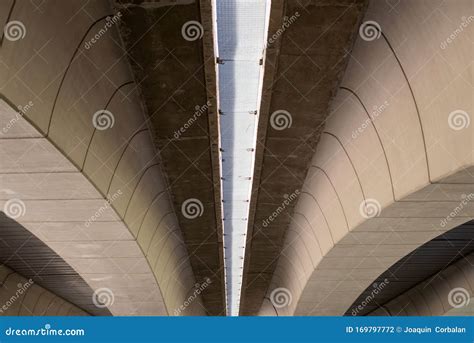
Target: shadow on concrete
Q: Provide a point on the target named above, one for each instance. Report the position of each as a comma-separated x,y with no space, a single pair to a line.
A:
421,264
30,257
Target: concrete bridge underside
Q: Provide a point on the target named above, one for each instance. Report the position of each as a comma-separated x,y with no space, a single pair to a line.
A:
380,152
71,64
390,167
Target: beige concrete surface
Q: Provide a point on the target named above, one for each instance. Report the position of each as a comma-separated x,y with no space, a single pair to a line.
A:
390,143
63,167
49,190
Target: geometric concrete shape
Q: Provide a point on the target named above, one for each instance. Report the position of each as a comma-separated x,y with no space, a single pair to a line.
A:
20,296
449,293
177,77
50,192
72,199
69,171
395,153
306,56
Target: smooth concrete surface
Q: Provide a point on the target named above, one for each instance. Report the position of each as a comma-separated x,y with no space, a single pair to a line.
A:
135,247
388,143
51,192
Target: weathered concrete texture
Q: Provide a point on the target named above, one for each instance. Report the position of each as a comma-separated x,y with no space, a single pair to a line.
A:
69,65
393,167
177,80
303,68
20,296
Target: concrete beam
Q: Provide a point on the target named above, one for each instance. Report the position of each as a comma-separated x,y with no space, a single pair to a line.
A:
176,74
307,53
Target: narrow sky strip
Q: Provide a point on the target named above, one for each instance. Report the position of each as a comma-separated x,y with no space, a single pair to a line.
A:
242,27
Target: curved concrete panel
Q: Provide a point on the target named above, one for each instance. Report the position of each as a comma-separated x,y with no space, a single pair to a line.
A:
70,65
423,265
448,293
22,297
391,162
42,187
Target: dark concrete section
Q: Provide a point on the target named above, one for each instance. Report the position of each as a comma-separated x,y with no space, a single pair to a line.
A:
29,256
177,79
303,68
424,263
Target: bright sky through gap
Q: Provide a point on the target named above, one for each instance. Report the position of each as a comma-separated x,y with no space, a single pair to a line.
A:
242,27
